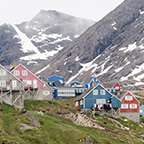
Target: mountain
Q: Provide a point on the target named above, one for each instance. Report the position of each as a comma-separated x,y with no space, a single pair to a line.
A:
35,41
112,48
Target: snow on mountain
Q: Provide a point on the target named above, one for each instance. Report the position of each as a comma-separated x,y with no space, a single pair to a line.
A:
42,56
34,42
118,40
26,44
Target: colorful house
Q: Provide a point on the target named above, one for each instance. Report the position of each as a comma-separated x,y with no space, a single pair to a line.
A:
33,83
55,80
11,88
117,86
92,82
97,97
130,107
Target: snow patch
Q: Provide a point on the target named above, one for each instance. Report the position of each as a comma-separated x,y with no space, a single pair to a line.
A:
77,58
85,67
114,25
26,44
60,40
119,69
54,36
105,70
42,56
76,36
141,12
131,47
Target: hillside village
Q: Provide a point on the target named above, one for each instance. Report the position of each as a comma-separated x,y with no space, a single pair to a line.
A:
19,84
70,80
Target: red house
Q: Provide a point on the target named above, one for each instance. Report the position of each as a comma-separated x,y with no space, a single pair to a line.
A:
130,107
31,81
117,86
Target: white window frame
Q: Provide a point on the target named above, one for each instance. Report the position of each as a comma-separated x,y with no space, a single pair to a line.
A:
3,83
24,73
100,101
95,92
133,106
128,98
14,83
124,106
102,92
28,82
16,72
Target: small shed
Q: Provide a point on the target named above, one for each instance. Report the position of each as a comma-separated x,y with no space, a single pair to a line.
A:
130,107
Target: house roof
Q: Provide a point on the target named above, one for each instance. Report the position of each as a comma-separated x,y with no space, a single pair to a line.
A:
55,78
10,73
89,91
28,71
131,94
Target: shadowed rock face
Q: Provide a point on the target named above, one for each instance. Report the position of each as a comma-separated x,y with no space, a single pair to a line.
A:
122,28
48,31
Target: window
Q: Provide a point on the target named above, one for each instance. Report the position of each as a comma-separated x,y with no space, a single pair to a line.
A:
16,72
128,98
24,73
2,83
133,106
101,101
124,106
102,92
14,83
95,92
2,72
27,82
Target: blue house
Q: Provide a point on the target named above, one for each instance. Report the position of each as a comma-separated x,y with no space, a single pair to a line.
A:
98,98
55,80
93,81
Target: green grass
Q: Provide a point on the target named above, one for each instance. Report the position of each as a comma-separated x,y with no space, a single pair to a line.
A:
56,130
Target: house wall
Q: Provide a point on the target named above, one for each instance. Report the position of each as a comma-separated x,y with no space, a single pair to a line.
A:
132,116
133,101
90,99
116,103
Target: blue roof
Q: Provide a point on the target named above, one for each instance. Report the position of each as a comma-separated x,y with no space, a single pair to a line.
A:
55,78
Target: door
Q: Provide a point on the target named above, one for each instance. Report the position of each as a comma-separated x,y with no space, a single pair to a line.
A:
14,84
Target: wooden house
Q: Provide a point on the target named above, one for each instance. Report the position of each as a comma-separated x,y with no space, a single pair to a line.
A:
11,88
38,89
97,98
130,107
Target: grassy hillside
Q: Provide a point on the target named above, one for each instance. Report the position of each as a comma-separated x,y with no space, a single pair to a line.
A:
49,128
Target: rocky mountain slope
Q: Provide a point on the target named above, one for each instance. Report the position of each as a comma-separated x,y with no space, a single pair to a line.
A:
112,49
39,39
